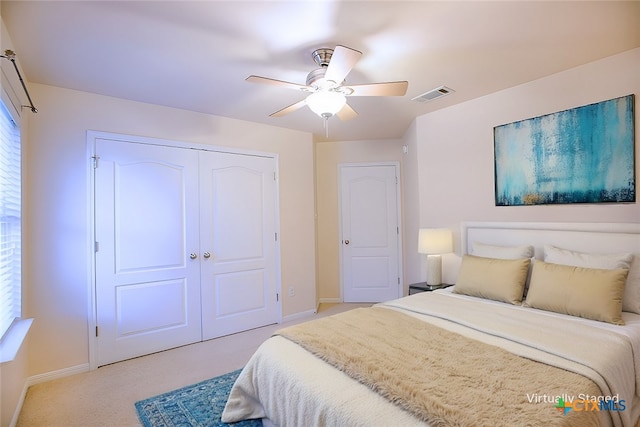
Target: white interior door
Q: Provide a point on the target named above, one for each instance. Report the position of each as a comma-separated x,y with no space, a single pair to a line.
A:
370,227
146,222
238,241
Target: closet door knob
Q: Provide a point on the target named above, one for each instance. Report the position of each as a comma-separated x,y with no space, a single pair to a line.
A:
207,255
193,255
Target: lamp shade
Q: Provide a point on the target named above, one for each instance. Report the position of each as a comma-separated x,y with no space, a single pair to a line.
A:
434,241
326,104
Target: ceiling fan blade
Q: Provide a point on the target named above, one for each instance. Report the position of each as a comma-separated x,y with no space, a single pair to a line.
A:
341,63
380,89
290,109
274,82
346,113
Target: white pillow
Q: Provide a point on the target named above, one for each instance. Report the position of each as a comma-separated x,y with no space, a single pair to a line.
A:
631,298
502,252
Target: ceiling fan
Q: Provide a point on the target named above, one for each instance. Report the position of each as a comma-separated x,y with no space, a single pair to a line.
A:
326,86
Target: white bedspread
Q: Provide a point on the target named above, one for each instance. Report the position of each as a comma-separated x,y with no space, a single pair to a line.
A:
290,387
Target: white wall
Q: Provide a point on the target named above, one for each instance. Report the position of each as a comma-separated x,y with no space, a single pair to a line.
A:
455,148
56,197
413,267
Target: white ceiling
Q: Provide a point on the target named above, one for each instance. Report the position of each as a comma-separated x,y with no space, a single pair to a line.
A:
196,55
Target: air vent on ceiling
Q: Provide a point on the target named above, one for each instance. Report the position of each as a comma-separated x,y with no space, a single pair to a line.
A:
433,94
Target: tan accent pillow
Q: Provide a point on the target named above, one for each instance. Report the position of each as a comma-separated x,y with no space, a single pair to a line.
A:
505,252
492,278
631,298
584,292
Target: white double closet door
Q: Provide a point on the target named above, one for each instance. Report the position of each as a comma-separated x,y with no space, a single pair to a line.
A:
186,246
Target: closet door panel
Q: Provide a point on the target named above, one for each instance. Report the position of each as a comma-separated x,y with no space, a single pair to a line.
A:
238,205
146,221
238,231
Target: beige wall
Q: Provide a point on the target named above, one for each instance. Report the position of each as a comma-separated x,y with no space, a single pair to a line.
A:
328,156
56,195
12,379
455,148
14,374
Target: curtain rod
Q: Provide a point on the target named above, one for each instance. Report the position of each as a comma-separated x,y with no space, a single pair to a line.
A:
11,56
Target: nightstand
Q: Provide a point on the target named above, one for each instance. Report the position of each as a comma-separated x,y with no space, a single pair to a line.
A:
423,287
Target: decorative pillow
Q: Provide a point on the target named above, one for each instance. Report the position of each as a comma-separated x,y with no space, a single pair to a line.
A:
492,278
584,292
505,252
631,298
502,252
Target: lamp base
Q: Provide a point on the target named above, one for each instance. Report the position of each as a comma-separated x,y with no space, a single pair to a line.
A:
434,270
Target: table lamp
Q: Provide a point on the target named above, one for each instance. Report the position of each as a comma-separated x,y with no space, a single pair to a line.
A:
434,242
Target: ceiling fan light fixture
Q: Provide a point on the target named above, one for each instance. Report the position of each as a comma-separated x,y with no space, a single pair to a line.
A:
326,104
345,90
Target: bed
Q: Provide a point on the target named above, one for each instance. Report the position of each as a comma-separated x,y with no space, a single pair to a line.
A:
541,328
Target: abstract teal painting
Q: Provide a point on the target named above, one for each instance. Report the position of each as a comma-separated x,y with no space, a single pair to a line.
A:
581,155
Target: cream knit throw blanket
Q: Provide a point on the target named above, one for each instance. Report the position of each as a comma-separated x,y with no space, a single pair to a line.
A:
437,375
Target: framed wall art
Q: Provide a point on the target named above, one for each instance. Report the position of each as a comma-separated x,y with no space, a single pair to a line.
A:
582,155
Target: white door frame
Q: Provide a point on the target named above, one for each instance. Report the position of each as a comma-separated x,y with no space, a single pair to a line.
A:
399,212
91,226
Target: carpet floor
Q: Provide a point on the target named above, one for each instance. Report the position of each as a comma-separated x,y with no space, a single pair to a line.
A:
106,397
198,405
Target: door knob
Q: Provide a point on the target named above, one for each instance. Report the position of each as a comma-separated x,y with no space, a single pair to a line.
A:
206,255
193,255
346,242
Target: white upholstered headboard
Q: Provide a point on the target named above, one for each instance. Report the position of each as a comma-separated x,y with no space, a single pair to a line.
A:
585,237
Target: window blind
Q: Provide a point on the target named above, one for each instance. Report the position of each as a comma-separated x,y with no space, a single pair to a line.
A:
10,221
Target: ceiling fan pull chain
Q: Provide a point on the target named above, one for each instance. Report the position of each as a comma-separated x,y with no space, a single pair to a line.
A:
326,127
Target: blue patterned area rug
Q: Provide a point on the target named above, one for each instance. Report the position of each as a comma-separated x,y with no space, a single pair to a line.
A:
198,405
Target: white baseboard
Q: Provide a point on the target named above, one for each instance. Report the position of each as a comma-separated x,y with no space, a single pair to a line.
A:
54,375
298,316
16,413
330,300
41,378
